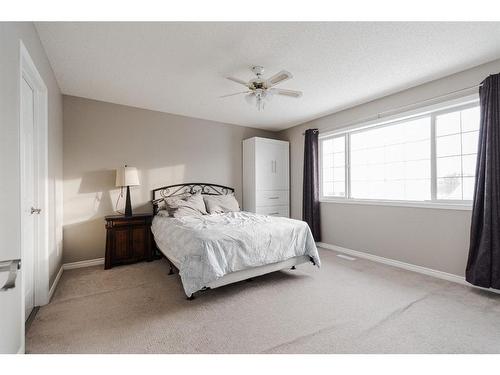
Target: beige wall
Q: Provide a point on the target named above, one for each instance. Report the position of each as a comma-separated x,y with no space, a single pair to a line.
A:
10,35
167,149
431,238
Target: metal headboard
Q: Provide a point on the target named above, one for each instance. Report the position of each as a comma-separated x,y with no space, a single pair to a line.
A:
191,188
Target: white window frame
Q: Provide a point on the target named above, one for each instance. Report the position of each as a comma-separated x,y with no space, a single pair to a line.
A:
428,111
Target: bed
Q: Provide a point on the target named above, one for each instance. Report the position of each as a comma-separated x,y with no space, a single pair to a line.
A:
210,251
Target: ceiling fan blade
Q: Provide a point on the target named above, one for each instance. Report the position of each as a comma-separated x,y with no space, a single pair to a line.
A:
291,93
236,93
278,78
237,80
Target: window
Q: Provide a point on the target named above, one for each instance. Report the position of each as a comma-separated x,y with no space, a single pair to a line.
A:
392,162
428,157
334,166
456,150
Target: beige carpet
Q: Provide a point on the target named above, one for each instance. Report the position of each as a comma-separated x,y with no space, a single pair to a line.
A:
344,307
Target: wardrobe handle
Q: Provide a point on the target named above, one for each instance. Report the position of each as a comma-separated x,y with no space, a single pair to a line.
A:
273,213
273,198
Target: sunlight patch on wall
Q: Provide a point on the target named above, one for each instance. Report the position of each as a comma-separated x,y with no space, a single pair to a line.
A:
95,195
157,177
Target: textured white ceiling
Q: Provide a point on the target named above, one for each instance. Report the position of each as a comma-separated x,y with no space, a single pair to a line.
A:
180,67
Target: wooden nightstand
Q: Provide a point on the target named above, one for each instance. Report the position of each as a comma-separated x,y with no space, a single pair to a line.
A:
128,239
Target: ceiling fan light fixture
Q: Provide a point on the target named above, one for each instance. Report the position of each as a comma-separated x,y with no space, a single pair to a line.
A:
259,100
261,89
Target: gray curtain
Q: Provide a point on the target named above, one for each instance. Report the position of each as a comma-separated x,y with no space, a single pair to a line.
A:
483,265
310,192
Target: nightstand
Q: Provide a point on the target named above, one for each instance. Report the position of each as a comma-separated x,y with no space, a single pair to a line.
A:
128,239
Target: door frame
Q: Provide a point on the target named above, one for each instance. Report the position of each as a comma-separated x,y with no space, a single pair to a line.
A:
29,72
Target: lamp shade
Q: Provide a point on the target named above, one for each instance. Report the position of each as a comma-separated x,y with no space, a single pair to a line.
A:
127,176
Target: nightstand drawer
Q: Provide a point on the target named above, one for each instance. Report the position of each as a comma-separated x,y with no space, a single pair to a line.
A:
126,223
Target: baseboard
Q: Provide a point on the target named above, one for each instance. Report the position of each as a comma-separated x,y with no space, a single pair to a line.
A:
83,263
406,266
56,281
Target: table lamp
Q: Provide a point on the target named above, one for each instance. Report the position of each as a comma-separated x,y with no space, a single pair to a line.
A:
127,176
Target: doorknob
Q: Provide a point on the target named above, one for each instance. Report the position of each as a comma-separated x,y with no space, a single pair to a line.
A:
35,210
11,267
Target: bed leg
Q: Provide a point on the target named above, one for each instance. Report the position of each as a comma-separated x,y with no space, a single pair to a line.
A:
171,267
190,298
293,268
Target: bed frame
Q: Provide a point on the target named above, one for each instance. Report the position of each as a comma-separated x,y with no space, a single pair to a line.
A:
214,189
191,188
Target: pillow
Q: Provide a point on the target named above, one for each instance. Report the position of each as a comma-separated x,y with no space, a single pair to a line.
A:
185,205
162,212
171,203
186,211
160,205
218,204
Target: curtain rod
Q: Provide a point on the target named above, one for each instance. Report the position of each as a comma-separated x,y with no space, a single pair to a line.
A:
397,109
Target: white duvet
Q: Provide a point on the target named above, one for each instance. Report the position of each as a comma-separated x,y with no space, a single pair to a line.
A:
208,247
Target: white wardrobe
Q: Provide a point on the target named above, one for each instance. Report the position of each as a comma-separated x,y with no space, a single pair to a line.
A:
266,185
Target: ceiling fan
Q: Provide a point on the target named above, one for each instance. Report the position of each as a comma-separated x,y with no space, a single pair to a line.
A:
259,89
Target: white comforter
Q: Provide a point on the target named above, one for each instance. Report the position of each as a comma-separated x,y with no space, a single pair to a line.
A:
210,246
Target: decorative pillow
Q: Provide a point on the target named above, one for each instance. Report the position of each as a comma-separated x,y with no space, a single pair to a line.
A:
185,205
218,204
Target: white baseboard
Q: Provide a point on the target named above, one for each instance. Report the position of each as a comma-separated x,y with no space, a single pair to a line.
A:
83,263
56,281
69,266
407,266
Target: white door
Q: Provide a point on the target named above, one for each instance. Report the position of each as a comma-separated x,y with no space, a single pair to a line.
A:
28,200
13,282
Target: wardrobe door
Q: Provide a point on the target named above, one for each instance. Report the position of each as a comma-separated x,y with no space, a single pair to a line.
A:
265,154
281,167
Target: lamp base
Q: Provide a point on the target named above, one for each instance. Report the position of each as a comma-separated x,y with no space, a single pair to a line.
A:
128,204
